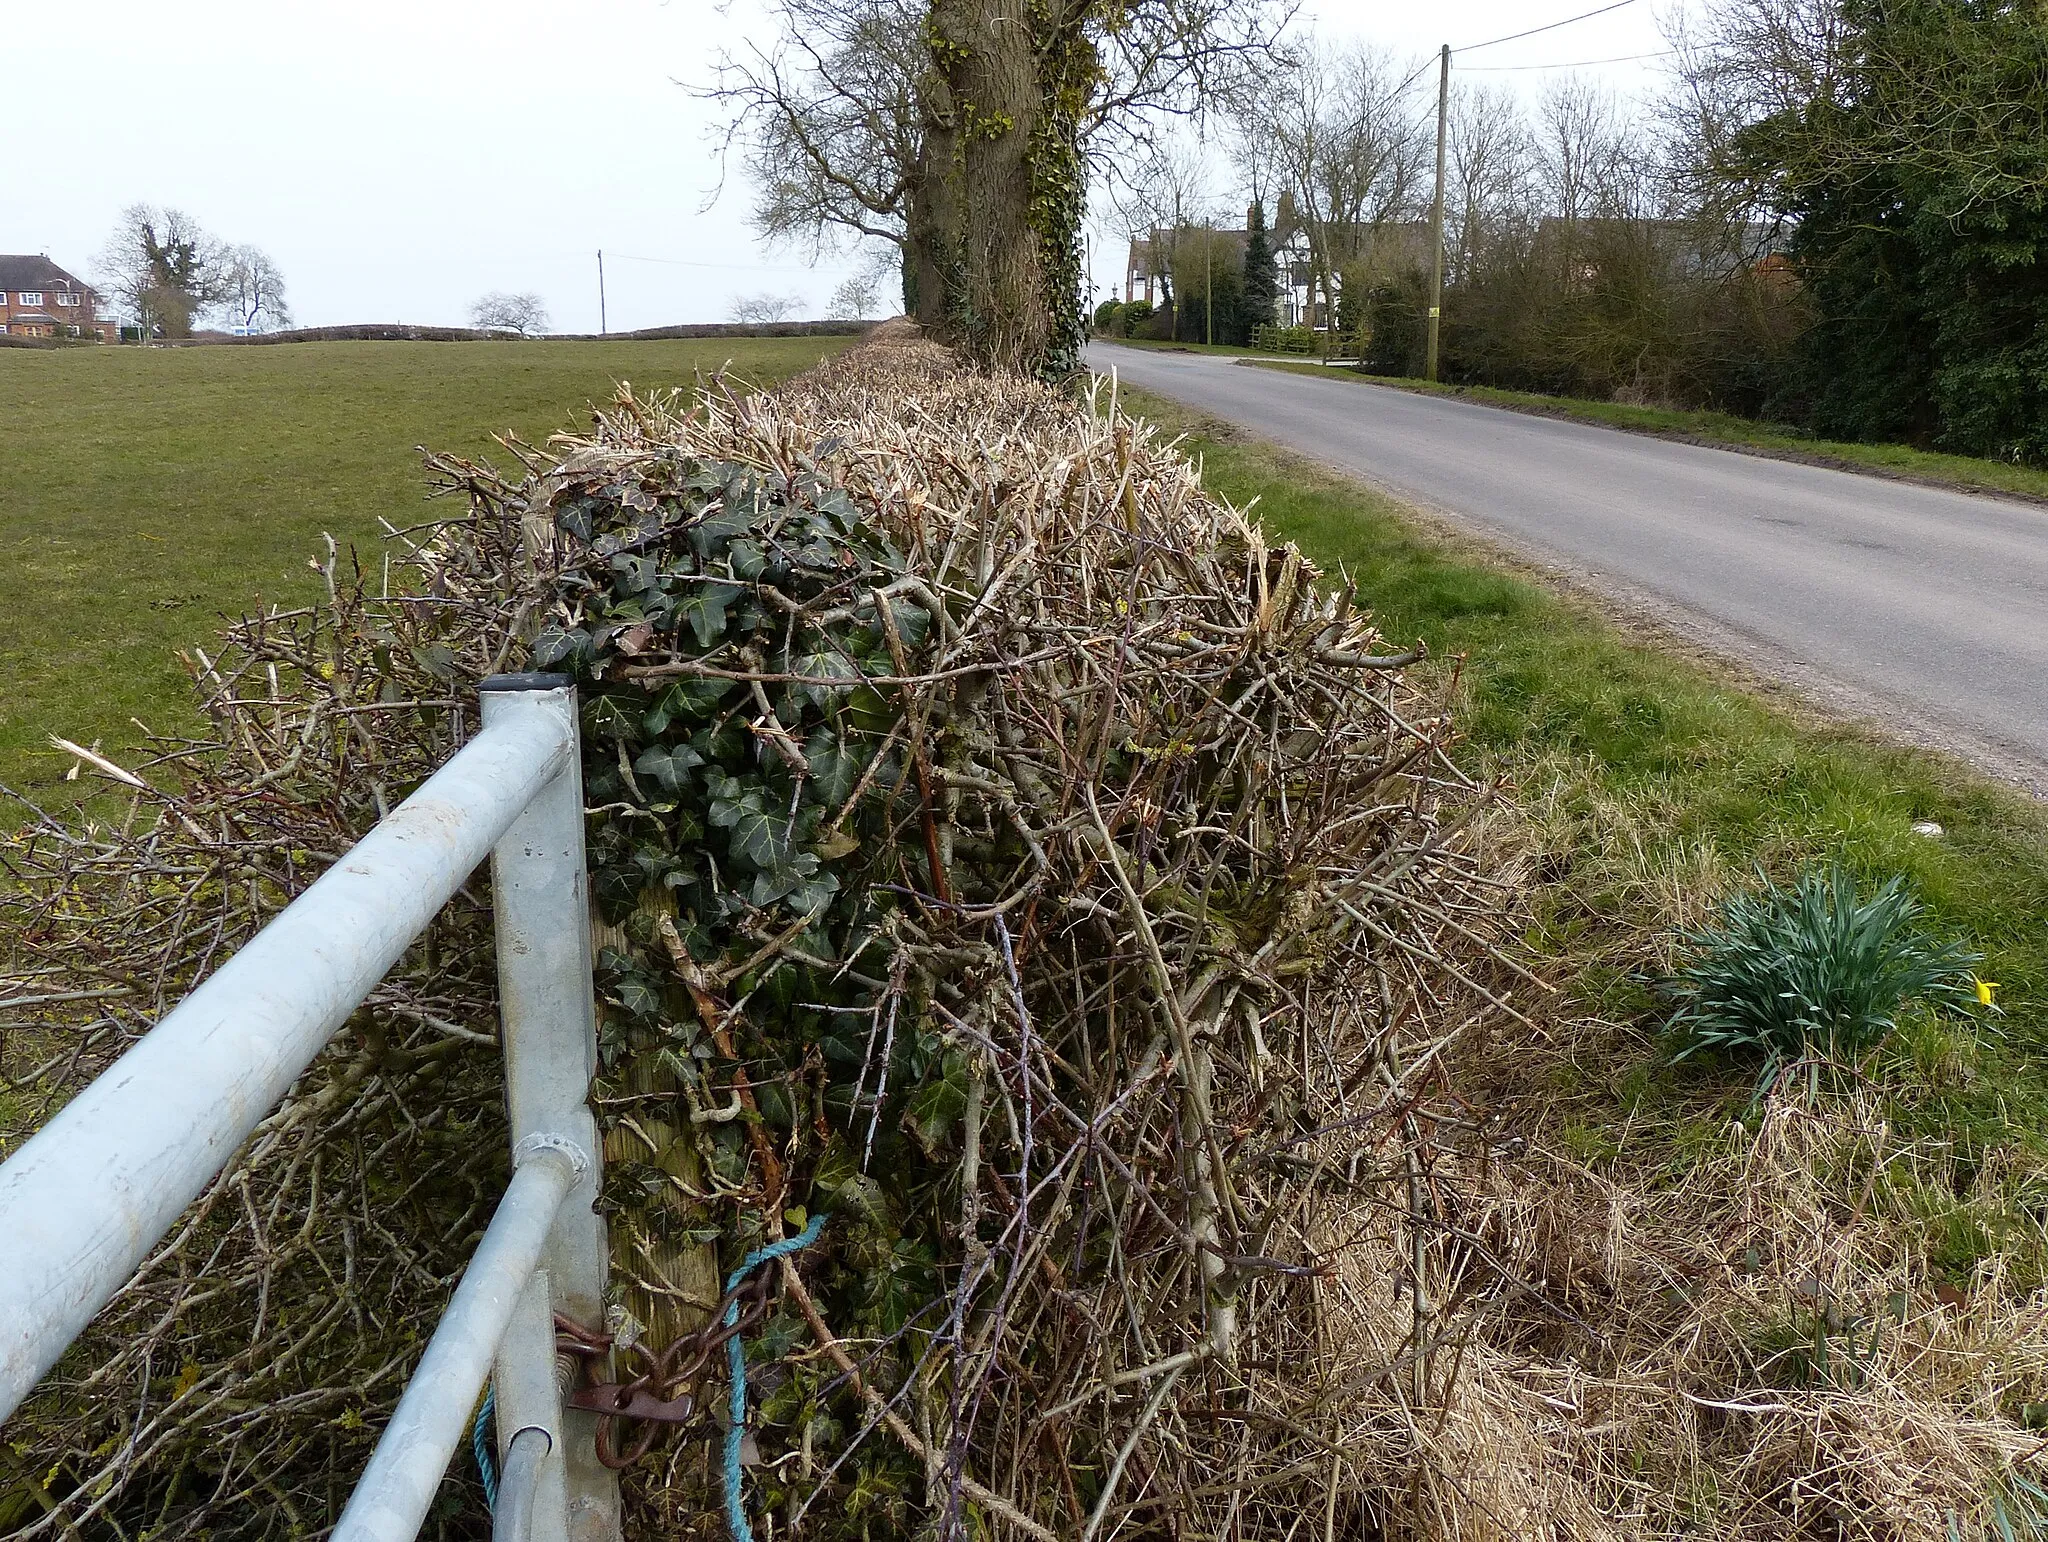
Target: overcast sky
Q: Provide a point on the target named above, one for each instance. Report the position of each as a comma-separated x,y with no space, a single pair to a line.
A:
398,158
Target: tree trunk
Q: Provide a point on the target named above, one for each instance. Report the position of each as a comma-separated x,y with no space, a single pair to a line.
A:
996,205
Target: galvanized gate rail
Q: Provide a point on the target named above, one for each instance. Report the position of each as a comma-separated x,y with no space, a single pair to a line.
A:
87,1198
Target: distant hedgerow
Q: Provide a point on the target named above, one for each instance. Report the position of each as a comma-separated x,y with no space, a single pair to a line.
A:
1814,968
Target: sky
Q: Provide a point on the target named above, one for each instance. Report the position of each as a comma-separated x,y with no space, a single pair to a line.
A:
400,158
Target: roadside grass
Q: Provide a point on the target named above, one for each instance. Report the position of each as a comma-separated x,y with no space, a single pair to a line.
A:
1965,471
1650,787
144,492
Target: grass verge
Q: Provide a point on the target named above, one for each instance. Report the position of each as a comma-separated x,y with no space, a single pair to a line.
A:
1654,786
1721,428
145,491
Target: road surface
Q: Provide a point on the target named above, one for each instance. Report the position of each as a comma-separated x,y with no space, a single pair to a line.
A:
1922,608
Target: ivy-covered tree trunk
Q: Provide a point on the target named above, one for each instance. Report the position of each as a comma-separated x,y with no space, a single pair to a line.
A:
994,253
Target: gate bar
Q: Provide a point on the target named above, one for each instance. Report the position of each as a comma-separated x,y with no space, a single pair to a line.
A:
84,1201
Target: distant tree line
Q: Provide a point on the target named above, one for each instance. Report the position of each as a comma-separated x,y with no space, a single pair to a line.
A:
1835,216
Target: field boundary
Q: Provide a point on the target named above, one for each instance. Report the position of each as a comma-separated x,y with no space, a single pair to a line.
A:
406,332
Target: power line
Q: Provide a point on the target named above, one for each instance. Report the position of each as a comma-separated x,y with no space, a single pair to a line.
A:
1573,64
1549,27
682,262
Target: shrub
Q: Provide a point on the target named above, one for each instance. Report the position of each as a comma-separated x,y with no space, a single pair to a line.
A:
1815,968
1106,314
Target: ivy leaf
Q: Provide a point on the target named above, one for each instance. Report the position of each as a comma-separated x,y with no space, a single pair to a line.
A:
835,766
636,574
912,621
693,698
821,660
748,557
607,717
554,645
668,764
705,610
760,835
639,997
714,533
937,1107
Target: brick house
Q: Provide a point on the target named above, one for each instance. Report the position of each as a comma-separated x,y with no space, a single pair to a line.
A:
39,299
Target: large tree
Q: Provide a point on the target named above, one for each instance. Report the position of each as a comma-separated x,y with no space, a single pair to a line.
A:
1259,293
1906,142
251,290
963,132
162,268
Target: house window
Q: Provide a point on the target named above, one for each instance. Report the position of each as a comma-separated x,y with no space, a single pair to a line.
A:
3,297
66,299
29,297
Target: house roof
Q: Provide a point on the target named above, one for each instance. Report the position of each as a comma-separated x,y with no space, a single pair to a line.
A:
34,273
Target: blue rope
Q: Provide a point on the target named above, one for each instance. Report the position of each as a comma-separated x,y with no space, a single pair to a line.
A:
480,1447
736,1362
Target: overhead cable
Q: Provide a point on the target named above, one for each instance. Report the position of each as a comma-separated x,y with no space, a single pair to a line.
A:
1570,64
1548,27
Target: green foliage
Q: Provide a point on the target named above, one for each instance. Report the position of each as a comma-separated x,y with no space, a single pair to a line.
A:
1813,969
1208,270
1918,179
1284,339
1259,288
1396,326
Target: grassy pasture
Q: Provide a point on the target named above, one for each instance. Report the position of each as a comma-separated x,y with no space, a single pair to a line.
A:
144,492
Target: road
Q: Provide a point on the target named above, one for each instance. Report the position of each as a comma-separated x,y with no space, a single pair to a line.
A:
1924,609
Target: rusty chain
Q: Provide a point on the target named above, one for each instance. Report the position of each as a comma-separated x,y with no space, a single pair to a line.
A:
664,1393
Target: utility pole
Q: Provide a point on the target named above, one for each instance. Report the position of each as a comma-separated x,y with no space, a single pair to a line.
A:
1209,302
1436,215
603,326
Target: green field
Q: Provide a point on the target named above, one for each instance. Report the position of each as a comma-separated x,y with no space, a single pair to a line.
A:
1651,785
145,492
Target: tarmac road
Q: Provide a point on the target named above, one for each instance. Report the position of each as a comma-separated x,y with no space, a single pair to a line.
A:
1924,609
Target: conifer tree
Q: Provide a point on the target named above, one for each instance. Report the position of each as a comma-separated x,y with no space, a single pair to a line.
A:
1259,295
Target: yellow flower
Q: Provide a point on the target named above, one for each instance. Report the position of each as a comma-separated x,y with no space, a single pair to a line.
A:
1984,990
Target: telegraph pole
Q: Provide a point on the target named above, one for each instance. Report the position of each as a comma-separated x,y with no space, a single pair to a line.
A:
1436,215
603,327
1209,303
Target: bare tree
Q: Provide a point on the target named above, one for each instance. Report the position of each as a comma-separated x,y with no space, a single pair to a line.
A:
162,268
856,298
755,309
497,311
1171,193
252,290
965,130
1742,62
1341,130
859,295
1492,165
827,119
